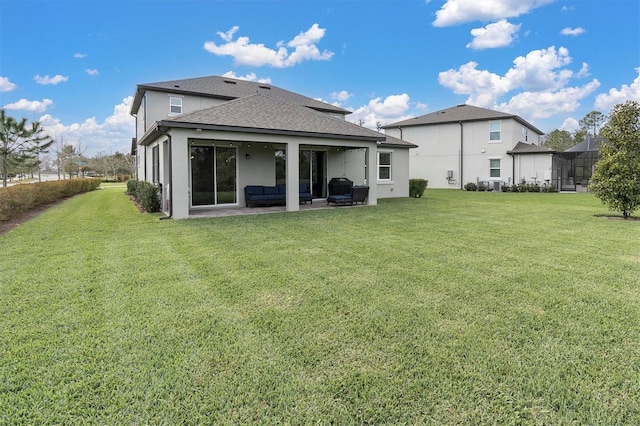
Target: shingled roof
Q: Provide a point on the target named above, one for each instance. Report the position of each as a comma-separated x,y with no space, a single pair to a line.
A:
527,148
260,113
229,88
459,113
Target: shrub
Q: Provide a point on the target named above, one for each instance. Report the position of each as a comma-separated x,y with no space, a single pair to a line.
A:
481,186
417,187
19,199
147,194
470,186
504,187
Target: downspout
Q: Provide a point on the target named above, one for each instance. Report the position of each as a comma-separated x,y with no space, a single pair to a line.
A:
170,177
461,155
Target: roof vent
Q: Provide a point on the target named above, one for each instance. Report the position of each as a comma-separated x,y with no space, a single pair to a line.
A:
461,105
265,87
229,81
176,85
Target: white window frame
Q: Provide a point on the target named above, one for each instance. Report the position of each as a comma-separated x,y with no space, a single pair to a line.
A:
385,167
176,102
492,131
499,168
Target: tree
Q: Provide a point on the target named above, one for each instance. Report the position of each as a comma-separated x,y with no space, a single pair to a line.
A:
20,141
559,140
616,180
593,122
68,159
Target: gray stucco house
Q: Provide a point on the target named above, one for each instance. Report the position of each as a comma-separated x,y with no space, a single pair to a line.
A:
204,139
466,143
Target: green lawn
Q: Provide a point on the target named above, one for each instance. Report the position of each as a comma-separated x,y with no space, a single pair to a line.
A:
457,308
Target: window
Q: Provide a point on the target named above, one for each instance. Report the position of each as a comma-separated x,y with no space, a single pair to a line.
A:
384,166
494,131
155,164
494,168
175,105
525,133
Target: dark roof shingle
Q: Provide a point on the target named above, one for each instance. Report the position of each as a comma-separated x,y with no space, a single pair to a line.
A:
459,113
230,88
527,148
263,113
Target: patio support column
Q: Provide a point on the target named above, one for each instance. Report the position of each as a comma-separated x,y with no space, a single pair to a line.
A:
372,174
293,176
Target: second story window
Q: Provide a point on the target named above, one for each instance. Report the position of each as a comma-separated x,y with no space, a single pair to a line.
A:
175,105
494,131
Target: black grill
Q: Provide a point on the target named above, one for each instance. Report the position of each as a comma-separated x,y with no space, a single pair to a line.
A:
340,186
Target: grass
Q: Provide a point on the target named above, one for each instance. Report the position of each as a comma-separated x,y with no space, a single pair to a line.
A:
456,308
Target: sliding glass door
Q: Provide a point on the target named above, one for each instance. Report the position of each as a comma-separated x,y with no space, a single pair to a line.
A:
312,170
213,175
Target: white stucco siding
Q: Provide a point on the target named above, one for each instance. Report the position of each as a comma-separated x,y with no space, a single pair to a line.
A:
398,185
158,106
141,125
438,151
351,166
532,168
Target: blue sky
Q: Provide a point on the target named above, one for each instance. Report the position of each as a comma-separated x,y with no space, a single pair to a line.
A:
75,65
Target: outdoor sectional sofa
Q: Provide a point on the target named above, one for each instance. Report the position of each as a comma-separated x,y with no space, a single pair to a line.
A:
342,191
260,195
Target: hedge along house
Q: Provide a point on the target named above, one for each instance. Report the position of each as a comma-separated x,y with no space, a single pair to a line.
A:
573,168
466,143
204,139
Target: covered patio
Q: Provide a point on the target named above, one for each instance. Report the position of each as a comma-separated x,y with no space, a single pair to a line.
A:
247,211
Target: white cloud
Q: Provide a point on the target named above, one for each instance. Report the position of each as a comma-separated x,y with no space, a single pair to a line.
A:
455,12
80,55
584,71
498,34
534,105
6,85
606,101
92,71
56,79
114,134
246,53
572,31
542,77
249,77
570,125
483,87
537,70
341,96
228,36
31,106
392,108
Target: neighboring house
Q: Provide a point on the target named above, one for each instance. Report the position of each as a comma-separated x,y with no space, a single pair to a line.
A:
471,144
204,139
573,168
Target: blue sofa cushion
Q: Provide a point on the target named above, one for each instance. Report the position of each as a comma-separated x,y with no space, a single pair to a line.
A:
254,190
270,190
282,189
339,198
261,197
